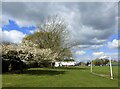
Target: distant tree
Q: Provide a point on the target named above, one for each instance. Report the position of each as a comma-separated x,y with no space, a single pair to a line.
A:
88,63
99,62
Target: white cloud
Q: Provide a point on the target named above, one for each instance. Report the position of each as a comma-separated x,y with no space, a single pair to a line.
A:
113,55
12,36
103,57
88,32
31,31
93,47
80,52
97,41
98,53
114,44
96,46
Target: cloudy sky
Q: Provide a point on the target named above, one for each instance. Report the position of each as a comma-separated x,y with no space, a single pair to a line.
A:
92,24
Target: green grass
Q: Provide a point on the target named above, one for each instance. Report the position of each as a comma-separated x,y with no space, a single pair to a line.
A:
105,70
59,77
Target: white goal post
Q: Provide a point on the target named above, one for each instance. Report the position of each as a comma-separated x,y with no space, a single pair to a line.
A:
111,71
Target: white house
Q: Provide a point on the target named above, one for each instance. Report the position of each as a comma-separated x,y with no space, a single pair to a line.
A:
71,63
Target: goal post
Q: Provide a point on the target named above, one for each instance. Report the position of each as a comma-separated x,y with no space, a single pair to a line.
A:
91,66
111,71
110,66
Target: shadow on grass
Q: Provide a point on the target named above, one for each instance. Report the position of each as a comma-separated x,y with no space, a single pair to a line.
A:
50,71
43,72
38,72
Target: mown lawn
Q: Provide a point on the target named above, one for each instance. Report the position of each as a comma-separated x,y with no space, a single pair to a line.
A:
60,77
105,70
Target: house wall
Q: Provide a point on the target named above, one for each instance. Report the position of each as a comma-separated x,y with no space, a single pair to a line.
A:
57,64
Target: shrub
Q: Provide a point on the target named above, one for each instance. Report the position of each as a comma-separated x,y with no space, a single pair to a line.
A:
32,64
5,65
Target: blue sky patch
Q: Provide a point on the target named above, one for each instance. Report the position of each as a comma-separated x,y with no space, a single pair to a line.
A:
12,25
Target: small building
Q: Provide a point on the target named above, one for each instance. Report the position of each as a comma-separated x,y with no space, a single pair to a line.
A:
70,63
82,64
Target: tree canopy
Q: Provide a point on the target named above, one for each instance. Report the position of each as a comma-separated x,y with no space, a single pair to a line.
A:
51,34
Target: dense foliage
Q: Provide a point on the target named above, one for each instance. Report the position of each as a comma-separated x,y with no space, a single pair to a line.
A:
42,48
10,58
49,41
102,62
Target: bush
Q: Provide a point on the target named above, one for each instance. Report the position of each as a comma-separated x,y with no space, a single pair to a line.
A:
5,65
45,63
12,65
32,64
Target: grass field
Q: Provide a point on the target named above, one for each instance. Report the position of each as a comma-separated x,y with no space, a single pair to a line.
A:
105,70
61,77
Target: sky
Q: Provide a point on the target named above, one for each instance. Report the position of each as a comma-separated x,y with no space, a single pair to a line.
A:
94,25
